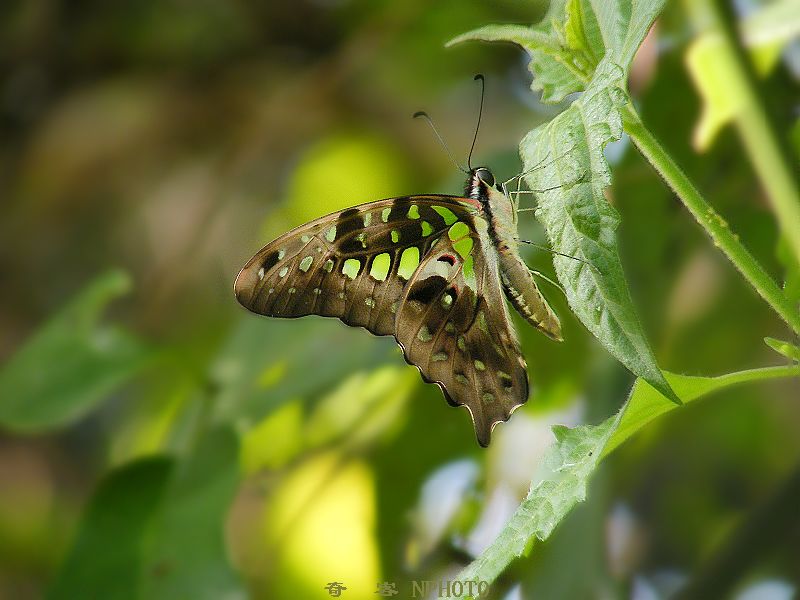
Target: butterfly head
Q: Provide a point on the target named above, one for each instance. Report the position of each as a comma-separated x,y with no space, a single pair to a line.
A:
480,181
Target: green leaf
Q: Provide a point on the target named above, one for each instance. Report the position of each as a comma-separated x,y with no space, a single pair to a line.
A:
646,404
187,558
785,348
562,481
107,557
554,72
569,44
565,159
571,460
71,364
154,529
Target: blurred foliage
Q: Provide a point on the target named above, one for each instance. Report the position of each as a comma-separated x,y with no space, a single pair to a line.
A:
157,442
69,365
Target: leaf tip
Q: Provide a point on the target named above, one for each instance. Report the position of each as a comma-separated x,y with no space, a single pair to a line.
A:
560,432
785,348
658,381
670,394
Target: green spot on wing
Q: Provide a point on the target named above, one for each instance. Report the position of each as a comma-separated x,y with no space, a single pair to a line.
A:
409,261
426,228
463,246
305,264
351,267
468,268
330,235
385,214
482,322
380,266
413,212
395,236
458,231
447,214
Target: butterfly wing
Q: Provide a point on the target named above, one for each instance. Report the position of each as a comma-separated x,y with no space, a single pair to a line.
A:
454,325
352,264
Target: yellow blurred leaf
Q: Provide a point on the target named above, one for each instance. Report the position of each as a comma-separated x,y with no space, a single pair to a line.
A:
365,406
765,33
337,172
275,440
321,524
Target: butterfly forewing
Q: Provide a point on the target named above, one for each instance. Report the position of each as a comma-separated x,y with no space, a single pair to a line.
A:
453,323
425,269
352,265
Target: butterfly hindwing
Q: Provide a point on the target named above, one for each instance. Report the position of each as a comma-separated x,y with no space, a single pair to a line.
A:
430,270
352,265
454,325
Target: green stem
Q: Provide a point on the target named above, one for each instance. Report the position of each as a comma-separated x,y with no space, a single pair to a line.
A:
757,133
708,218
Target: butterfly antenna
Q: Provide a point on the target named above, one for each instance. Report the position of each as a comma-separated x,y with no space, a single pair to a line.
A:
480,78
422,114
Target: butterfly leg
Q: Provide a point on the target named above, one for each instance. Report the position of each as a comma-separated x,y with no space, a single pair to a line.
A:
514,199
581,178
504,184
548,280
518,192
546,249
539,165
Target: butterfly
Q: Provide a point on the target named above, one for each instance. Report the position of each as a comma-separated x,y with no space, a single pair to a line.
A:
434,271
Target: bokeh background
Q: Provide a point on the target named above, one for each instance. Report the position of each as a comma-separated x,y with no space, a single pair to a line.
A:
152,146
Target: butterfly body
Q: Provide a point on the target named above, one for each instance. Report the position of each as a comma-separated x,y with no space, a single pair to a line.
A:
430,270
518,282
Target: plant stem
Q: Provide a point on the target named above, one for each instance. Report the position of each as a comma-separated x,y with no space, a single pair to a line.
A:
757,133
708,218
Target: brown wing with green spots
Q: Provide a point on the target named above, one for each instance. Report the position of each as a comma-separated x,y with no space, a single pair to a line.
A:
352,265
454,325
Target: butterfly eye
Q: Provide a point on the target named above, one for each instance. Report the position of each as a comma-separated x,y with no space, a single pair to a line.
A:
485,175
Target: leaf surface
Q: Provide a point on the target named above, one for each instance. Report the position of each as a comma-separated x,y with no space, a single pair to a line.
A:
569,463
71,364
106,558
585,46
